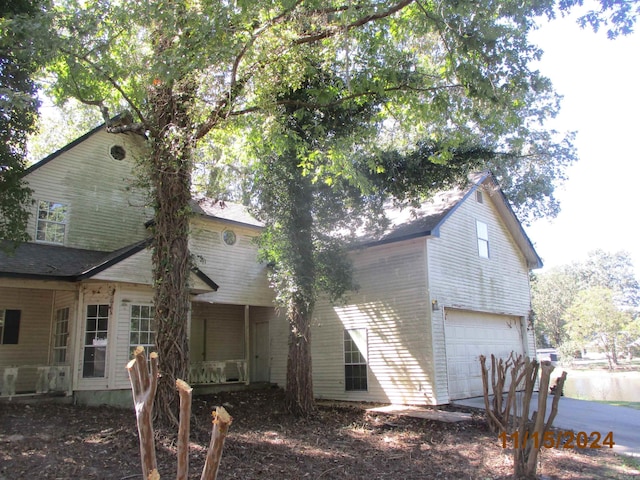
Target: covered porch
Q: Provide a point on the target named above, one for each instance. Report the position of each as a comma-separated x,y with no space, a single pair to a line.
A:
35,325
229,344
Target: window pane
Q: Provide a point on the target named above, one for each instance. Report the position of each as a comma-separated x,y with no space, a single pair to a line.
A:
102,324
483,232
483,248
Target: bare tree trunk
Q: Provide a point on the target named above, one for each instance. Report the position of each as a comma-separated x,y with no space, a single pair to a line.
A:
143,386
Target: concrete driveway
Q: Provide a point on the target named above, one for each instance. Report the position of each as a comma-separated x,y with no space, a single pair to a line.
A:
586,416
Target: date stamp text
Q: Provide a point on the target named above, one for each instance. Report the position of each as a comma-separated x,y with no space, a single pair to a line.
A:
558,439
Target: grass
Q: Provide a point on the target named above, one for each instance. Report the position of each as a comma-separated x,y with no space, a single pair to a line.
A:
635,405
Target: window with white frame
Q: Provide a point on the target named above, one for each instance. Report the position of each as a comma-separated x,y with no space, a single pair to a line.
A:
355,359
483,239
60,336
95,341
143,328
51,222
9,327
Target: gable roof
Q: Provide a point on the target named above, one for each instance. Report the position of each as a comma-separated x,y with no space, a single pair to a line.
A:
426,220
228,212
70,145
67,147
39,261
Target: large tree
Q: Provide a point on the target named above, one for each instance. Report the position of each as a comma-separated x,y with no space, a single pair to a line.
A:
552,293
612,270
18,113
594,317
445,72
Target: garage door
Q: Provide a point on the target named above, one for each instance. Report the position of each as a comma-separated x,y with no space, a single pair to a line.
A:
471,334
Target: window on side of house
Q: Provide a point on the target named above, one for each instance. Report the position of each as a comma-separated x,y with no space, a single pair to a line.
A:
51,222
95,341
60,336
483,239
9,327
355,359
143,328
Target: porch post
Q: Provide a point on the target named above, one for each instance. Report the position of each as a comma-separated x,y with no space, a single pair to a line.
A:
247,350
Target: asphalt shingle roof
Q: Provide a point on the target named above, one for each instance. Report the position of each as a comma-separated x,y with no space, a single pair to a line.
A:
41,261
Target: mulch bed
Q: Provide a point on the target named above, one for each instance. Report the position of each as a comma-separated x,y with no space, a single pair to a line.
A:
55,441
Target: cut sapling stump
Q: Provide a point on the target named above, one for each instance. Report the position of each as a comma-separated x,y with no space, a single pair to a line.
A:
144,386
221,422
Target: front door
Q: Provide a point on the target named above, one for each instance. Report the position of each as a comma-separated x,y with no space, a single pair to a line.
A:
260,352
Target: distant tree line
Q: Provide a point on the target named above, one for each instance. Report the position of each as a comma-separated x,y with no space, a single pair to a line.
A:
594,303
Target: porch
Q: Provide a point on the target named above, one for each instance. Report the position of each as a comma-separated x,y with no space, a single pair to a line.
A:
229,344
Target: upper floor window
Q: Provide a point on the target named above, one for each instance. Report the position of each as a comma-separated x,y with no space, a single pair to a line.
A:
51,222
483,239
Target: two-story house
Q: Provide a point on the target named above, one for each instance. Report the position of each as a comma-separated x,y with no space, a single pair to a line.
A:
76,300
443,285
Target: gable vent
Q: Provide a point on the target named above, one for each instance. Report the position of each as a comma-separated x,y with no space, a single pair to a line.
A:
117,152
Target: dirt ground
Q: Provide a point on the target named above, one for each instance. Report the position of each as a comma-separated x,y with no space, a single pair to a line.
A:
54,441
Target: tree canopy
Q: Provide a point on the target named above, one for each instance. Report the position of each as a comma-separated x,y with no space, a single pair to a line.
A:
593,317
605,283
18,111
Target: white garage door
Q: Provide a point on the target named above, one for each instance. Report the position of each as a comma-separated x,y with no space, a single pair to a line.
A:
471,334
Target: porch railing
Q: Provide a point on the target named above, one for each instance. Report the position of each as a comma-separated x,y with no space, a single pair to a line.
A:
38,379
217,372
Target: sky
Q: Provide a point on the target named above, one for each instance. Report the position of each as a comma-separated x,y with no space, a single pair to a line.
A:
599,79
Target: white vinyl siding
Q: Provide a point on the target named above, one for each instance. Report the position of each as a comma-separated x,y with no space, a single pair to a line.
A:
391,304
106,209
242,279
459,278
35,328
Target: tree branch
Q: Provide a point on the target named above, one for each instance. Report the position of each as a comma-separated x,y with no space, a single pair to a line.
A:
109,78
237,85
334,30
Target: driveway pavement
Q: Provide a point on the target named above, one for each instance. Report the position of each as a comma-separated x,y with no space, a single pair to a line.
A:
586,416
